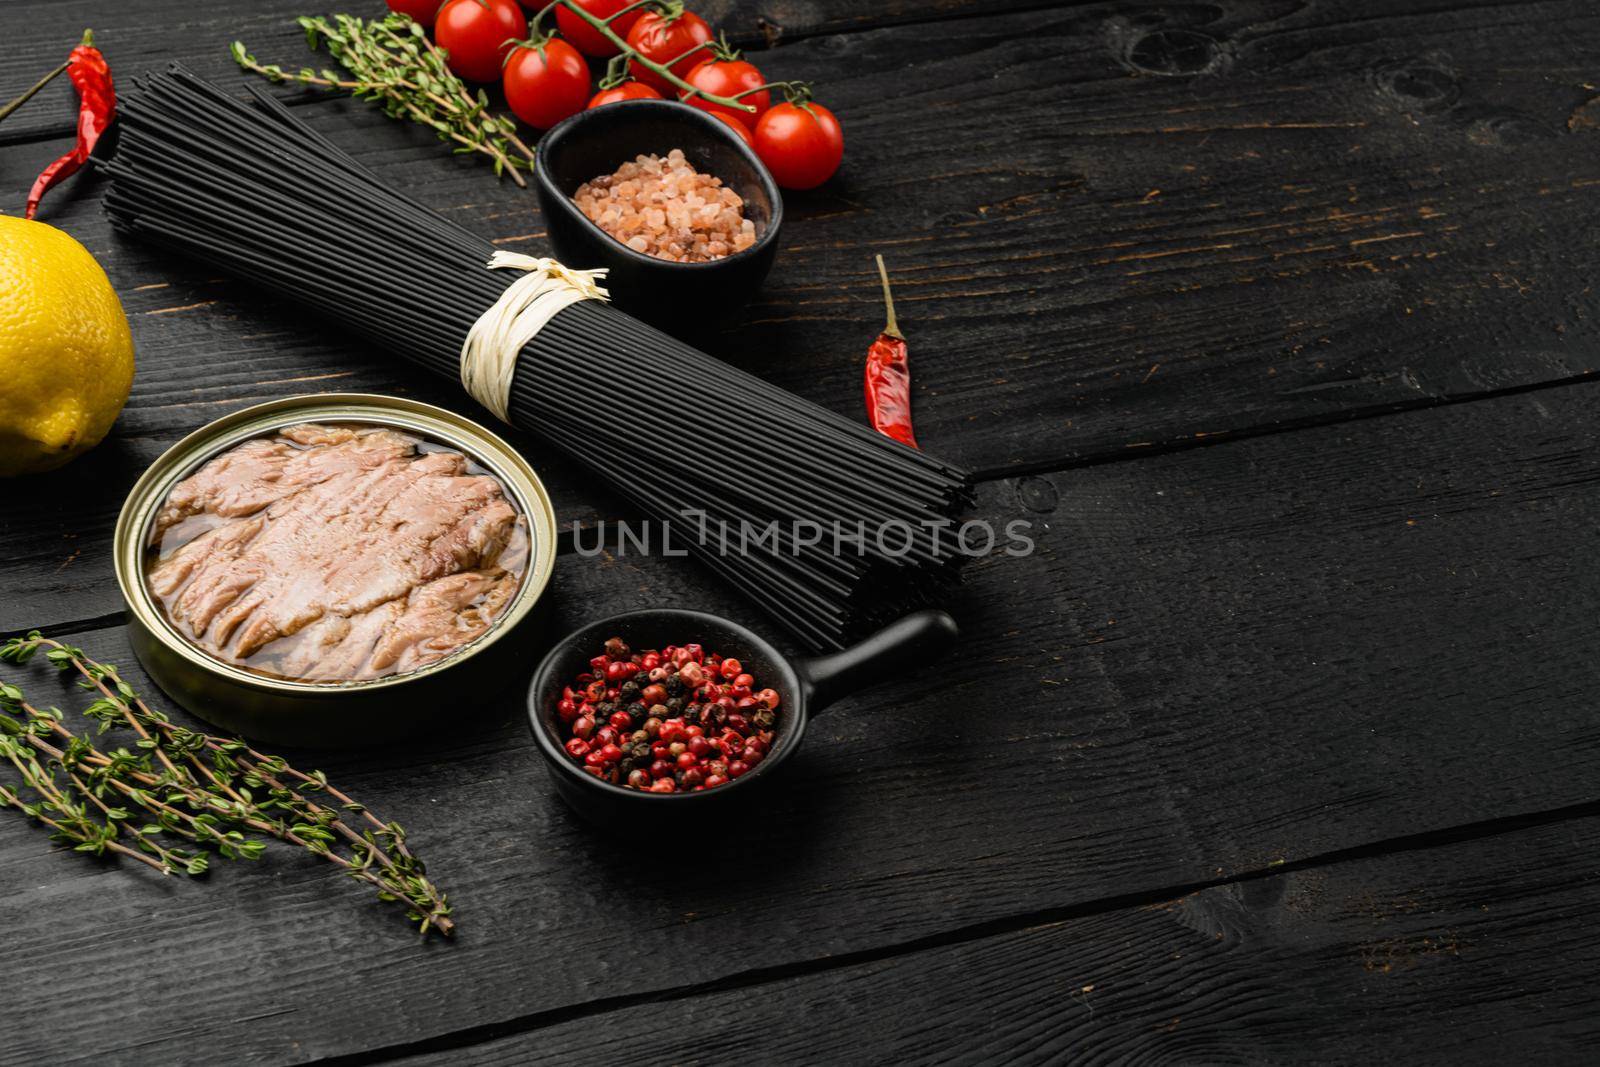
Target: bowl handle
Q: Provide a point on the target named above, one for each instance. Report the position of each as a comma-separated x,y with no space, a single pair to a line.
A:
900,645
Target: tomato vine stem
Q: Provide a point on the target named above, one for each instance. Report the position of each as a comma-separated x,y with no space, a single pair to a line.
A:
603,26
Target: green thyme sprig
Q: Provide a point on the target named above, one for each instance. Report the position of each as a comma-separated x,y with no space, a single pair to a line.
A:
194,795
392,62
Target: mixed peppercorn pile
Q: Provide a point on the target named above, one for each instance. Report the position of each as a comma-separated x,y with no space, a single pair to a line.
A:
674,720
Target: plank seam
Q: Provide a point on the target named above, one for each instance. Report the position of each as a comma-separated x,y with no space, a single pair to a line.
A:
533,1022
72,626
1131,453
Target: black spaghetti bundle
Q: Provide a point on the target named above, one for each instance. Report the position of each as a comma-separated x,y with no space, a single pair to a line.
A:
827,525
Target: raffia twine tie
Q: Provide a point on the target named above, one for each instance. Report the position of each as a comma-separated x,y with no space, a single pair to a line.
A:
489,353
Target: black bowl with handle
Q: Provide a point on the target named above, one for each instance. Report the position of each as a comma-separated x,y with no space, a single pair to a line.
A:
661,292
805,688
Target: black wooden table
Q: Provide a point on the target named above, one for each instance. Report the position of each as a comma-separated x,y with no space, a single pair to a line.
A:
1277,319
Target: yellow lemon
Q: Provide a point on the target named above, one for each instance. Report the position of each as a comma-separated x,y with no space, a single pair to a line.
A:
66,356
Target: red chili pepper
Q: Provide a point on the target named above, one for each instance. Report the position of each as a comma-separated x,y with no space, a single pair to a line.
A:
889,376
97,106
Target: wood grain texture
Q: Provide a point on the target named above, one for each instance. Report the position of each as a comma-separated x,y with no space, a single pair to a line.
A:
1261,652
1473,953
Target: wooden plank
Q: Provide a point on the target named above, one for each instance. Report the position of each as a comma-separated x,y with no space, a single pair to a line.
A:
1255,653
1477,952
1058,311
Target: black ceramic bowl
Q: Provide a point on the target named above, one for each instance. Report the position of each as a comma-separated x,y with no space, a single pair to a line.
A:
805,688
667,294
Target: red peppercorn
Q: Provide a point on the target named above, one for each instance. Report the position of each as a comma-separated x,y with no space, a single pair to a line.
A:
722,699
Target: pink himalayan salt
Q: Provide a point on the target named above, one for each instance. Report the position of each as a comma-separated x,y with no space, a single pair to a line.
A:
665,208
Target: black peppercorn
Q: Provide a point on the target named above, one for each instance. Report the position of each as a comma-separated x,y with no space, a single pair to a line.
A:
637,712
629,691
675,705
641,679
674,686
764,718
691,714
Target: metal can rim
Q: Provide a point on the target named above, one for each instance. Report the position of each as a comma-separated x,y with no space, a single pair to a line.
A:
436,424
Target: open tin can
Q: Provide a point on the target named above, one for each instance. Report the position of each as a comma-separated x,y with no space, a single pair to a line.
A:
339,714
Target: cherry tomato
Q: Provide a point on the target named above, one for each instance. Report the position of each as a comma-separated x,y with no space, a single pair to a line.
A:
541,90
729,77
737,127
477,34
800,144
584,37
663,39
618,94
421,10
